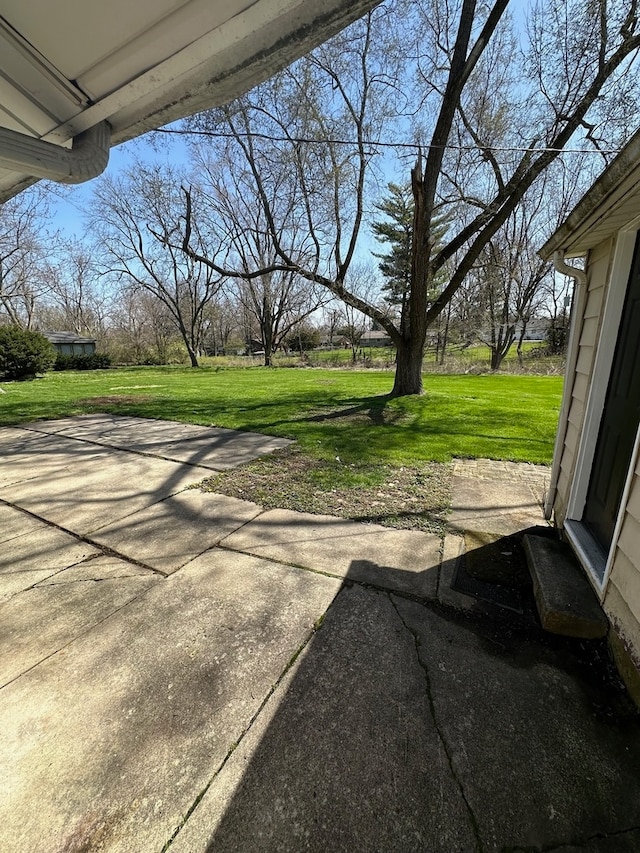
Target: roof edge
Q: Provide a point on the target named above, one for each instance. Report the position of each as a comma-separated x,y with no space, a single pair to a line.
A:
618,170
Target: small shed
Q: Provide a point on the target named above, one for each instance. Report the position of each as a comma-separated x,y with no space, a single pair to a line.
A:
594,494
68,343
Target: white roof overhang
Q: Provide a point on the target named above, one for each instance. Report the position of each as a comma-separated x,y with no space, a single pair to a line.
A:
609,205
95,73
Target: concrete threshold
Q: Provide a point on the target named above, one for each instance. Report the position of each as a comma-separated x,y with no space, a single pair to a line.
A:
565,600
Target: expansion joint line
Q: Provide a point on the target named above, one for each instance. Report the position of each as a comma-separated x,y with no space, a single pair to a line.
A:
441,736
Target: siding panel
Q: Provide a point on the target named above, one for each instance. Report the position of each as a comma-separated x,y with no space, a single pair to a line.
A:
629,540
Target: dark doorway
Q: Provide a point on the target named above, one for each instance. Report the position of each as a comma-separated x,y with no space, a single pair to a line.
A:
620,418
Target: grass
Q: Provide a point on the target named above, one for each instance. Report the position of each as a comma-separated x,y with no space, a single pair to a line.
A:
459,359
357,453
330,413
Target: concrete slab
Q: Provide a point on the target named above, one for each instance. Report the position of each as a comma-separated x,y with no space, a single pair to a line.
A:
82,497
94,568
16,582
41,621
11,437
117,736
564,597
105,567
101,426
492,506
42,548
41,456
402,560
222,453
344,757
173,531
63,424
14,523
222,450
210,447
452,552
530,734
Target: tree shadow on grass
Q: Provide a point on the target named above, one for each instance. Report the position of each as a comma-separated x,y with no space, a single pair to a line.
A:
375,409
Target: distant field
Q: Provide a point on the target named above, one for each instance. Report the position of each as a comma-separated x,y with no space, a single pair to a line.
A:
332,414
475,359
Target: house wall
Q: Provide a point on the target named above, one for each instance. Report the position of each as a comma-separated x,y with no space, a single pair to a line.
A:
76,348
598,269
622,593
622,598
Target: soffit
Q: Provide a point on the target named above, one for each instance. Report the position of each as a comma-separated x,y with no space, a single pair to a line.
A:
138,64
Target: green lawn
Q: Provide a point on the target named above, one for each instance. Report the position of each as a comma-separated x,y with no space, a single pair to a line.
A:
331,413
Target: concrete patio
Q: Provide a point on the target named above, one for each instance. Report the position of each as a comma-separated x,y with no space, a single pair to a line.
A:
184,671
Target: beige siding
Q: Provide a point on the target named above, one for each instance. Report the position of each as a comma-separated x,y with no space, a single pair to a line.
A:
624,623
624,583
589,332
598,267
580,388
629,540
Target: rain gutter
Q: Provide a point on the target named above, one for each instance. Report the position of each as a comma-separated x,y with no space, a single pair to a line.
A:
86,159
577,310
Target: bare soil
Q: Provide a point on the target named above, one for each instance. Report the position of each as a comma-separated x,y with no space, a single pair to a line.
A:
412,497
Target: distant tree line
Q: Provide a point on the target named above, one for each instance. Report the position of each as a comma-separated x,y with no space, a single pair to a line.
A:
261,237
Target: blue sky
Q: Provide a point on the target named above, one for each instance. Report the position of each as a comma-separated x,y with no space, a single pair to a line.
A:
67,204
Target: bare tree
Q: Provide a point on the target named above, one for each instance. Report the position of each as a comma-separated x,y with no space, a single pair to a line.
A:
302,146
493,112
137,217
222,319
577,54
509,280
21,255
223,202
76,297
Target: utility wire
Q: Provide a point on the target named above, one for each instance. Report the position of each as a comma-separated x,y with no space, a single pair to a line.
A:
411,145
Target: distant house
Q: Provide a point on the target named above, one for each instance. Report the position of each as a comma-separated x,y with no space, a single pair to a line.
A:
375,339
594,493
68,343
536,330
254,347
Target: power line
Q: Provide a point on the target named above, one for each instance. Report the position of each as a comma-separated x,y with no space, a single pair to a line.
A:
415,146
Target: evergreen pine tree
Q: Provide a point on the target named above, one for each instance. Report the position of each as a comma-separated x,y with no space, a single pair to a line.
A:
397,232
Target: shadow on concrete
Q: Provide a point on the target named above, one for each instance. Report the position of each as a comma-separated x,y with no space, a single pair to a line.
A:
210,713
406,726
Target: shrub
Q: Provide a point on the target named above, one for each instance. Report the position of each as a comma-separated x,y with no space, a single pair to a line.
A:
24,353
85,361
557,335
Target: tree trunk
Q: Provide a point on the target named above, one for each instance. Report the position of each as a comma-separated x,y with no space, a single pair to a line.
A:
408,378
523,332
410,346
192,357
496,358
267,343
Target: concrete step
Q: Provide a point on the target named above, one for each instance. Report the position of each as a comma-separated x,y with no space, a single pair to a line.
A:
564,597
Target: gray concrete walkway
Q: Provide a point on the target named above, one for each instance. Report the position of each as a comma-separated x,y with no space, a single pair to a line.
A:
182,671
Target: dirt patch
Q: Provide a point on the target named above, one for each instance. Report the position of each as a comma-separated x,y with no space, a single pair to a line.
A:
411,497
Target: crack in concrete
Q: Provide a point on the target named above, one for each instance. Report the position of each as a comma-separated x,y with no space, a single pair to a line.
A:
149,454
104,550
429,694
574,843
77,636
294,657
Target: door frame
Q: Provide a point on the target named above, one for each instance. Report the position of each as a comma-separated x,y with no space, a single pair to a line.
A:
588,553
